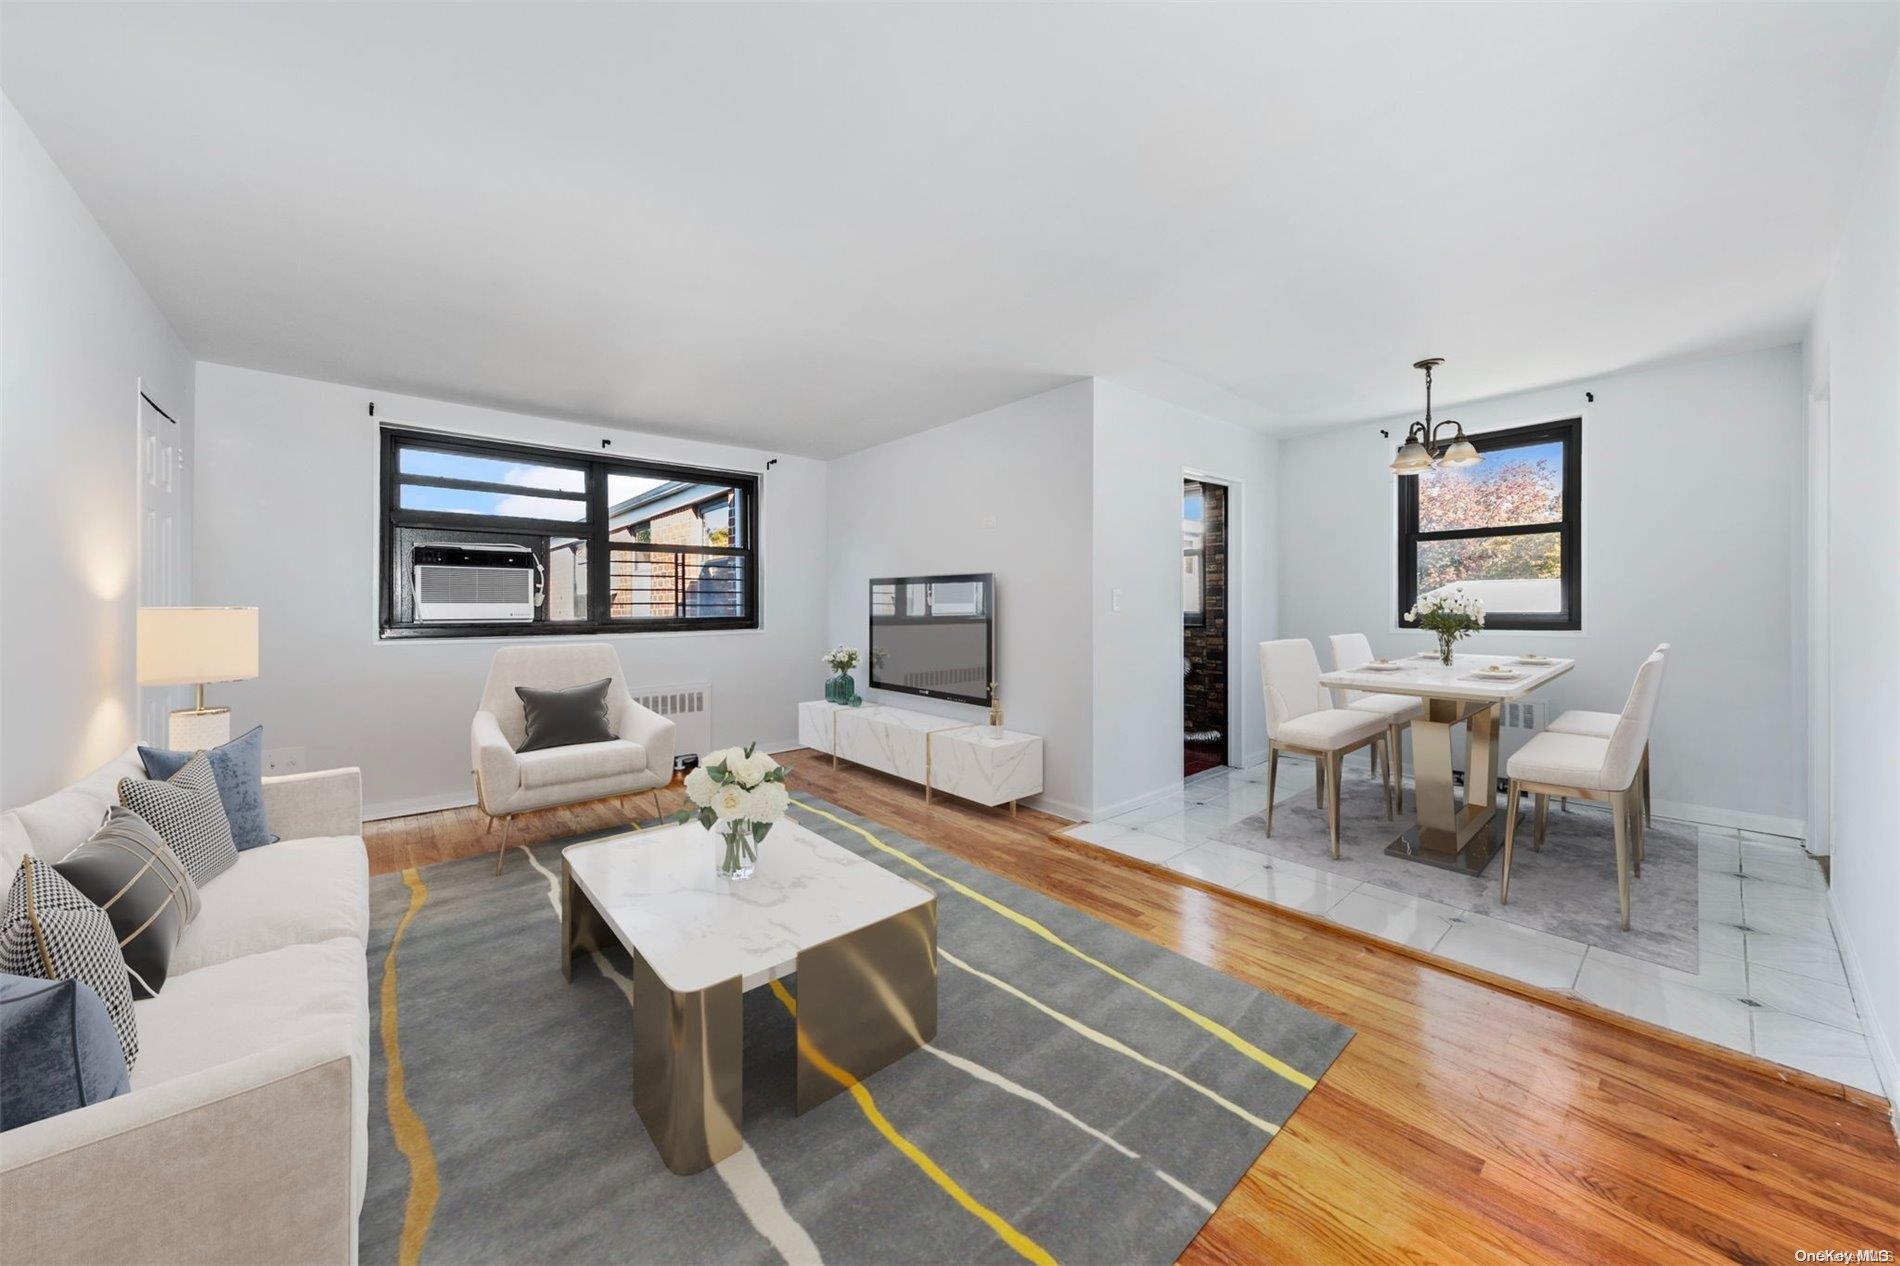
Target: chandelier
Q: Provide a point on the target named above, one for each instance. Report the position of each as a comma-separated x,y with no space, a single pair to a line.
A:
1422,449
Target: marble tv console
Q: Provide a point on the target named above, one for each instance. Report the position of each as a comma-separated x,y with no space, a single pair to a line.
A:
983,763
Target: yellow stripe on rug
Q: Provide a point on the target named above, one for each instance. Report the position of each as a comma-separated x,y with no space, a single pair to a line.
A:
1219,1030
1023,1245
412,1136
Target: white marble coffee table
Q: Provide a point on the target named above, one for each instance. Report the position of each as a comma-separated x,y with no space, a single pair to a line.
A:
862,940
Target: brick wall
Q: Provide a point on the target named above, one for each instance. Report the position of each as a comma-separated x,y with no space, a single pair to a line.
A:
1205,687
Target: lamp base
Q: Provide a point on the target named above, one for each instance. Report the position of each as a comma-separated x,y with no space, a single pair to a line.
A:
197,729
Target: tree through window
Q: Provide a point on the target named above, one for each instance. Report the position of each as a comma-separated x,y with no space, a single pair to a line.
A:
1505,531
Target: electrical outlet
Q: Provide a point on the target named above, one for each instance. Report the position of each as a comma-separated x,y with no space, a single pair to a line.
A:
989,520
283,760
1114,599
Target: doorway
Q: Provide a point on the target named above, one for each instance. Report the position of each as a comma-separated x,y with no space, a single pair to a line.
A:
1204,618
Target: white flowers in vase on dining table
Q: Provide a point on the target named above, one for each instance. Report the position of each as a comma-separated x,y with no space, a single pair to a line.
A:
740,794
1450,613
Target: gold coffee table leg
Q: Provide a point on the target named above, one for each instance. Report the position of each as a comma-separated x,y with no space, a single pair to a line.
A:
688,1061
865,1000
582,928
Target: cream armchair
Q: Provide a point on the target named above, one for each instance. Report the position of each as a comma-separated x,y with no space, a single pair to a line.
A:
507,782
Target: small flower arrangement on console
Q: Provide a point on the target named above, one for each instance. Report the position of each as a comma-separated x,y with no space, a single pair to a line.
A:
741,795
840,688
1451,614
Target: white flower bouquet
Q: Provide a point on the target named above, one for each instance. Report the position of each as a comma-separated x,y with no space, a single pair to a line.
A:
840,688
1450,613
740,794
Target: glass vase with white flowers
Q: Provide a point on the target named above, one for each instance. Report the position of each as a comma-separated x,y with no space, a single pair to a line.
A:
840,688
740,795
1451,613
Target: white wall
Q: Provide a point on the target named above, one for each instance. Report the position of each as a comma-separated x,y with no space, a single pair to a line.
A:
1854,364
287,487
1143,447
1691,535
1006,491
78,334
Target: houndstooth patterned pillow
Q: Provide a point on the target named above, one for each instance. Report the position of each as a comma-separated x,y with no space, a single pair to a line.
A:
51,931
188,815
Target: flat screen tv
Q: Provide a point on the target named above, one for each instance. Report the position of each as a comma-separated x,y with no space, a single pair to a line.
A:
935,636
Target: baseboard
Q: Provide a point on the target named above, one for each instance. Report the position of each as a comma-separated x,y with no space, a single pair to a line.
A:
1130,804
1704,815
1878,1043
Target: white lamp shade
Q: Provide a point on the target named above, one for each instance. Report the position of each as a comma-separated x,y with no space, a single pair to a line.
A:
186,646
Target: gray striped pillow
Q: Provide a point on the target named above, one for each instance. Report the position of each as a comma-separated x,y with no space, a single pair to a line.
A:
128,872
188,815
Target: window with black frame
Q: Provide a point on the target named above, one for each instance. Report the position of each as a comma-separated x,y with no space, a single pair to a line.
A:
1506,530
484,538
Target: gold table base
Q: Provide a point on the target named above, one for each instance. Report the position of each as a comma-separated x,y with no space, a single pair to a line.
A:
865,1000
1451,835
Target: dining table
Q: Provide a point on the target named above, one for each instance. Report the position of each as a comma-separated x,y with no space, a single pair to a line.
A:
1468,691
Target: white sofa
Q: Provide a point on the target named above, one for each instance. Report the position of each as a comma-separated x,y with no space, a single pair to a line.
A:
245,1137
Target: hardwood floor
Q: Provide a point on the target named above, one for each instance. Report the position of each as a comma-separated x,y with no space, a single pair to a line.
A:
1462,1123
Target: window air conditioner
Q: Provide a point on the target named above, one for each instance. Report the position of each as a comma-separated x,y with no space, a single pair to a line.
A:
476,584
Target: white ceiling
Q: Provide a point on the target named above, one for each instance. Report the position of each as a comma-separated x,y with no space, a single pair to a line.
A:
818,227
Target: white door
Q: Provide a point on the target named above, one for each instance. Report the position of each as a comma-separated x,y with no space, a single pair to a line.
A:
163,578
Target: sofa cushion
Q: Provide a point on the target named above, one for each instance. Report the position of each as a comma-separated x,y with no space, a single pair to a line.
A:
58,1047
60,823
562,717
238,767
51,930
128,872
299,892
189,816
580,762
249,1004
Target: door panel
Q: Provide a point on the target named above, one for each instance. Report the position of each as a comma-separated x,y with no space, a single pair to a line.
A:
163,579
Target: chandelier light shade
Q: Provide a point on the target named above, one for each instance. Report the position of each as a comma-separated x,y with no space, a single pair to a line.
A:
1422,449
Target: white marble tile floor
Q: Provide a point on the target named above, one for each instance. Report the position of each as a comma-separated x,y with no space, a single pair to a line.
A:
1770,980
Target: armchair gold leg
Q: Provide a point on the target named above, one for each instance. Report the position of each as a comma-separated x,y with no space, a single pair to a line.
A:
1510,841
507,829
1319,782
1273,774
1541,807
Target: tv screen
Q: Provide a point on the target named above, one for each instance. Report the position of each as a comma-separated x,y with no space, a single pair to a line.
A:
934,636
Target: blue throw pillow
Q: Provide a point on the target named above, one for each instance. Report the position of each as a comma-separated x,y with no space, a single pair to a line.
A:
238,767
58,1050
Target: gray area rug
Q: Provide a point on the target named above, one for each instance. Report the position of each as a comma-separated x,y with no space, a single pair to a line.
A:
1067,1113
1568,890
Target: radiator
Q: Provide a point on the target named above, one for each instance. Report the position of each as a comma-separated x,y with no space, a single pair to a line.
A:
689,707
1524,714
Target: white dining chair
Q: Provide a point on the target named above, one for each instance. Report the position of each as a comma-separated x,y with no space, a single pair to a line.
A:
1602,725
1301,720
1589,768
1352,650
